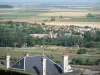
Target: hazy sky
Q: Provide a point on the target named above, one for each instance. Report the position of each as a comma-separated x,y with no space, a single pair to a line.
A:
49,0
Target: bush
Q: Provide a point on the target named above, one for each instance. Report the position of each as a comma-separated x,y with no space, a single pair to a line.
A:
81,61
12,72
97,62
82,51
77,61
89,15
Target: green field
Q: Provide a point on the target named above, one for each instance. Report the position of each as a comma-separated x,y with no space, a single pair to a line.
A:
55,51
10,14
82,20
24,14
17,15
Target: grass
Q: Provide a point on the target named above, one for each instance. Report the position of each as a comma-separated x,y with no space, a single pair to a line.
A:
55,51
19,15
16,14
24,15
82,20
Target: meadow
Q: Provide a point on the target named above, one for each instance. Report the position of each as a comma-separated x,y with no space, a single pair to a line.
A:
54,52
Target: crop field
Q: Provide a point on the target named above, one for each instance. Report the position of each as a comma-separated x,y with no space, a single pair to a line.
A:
17,14
83,20
70,13
32,15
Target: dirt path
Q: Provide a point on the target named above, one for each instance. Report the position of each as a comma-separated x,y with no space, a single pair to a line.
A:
92,24
70,13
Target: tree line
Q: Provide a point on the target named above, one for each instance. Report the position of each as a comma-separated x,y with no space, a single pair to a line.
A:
80,61
6,6
16,34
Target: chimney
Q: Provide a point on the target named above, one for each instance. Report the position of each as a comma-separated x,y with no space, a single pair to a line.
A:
65,63
43,65
7,61
26,54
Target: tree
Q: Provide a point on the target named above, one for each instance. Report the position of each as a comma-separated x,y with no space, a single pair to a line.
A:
30,41
73,61
90,44
43,23
82,51
97,62
89,15
52,18
87,36
77,61
96,37
87,61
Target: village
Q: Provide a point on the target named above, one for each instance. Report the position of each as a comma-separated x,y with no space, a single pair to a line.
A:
49,38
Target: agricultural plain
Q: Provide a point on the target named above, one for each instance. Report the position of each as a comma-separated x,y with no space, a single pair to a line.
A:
74,15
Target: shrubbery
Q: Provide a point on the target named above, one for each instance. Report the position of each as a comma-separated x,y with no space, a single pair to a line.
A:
12,72
82,51
89,15
80,61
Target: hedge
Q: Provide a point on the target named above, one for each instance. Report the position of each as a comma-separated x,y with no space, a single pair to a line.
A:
13,72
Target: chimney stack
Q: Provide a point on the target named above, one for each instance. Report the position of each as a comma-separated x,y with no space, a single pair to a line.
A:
43,65
7,61
65,63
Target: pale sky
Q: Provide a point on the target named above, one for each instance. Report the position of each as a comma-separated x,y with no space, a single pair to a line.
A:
49,0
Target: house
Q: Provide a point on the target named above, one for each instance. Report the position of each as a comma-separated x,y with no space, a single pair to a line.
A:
39,35
44,35
41,65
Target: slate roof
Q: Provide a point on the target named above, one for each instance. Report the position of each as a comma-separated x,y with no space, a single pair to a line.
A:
1,66
33,64
19,64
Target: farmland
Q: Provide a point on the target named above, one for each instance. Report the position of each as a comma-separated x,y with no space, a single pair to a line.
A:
38,14
76,13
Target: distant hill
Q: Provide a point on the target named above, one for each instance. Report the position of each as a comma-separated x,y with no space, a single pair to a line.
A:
6,6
